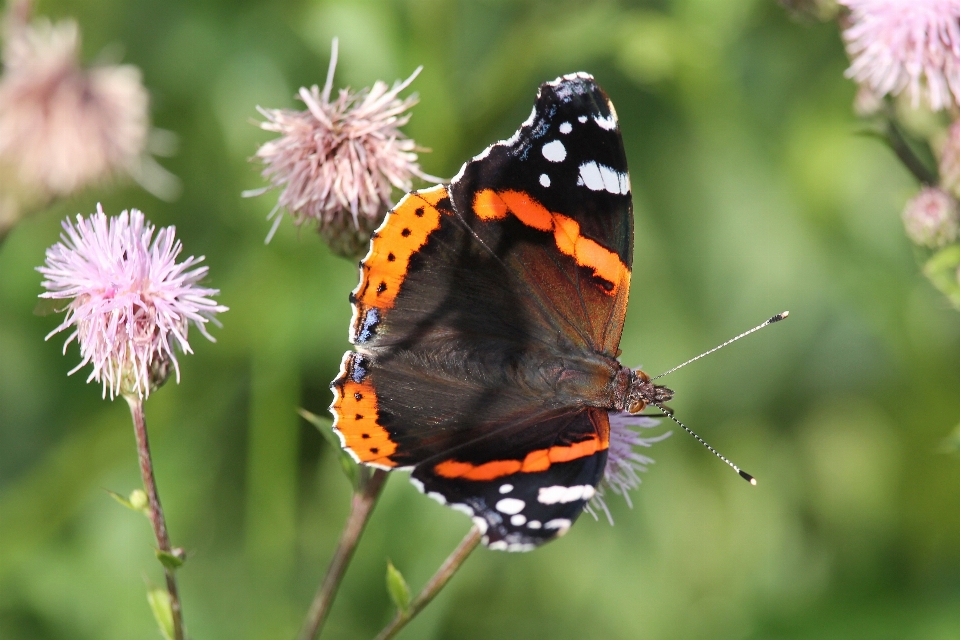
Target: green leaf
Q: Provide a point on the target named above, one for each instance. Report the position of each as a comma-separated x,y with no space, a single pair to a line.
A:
171,560
159,601
941,269
136,502
119,498
324,426
397,588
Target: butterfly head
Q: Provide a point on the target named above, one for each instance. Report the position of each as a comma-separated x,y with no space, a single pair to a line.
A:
641,392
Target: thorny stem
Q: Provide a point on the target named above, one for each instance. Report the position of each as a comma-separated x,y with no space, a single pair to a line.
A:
156,511
361,506
436,583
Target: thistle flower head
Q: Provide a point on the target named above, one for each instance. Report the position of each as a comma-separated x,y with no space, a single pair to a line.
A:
906,45
131,302
338,161
63,127
931,218
624,463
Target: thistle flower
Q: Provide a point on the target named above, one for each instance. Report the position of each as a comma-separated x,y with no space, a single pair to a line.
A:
63,127
338,161
131,303
906,45
931,218
623,462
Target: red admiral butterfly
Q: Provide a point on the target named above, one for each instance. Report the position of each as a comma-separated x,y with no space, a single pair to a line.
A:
487,325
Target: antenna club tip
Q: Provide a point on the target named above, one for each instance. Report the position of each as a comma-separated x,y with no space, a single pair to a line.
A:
746,476
779,317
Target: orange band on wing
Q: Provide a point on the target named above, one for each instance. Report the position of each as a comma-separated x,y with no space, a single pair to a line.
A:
539,460
355,411
607,265
403,232
531,213
489,206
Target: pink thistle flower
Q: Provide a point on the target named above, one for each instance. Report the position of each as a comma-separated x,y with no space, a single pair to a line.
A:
624,464
931,218
338,161
906,45
131,303
63,127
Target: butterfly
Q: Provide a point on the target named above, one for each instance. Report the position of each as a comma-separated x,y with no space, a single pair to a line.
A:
487,322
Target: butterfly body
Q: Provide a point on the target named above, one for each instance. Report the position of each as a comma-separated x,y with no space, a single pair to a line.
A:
487,324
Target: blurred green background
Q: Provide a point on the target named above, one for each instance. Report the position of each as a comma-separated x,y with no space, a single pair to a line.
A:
753,194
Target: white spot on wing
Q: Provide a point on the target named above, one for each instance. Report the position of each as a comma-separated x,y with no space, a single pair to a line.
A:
534,524
481,524
565,128
560,494
521,546
506,488
417,484
554,151
518,520
462,508
560,524
499,545
600,177
438,497
544,180
611,180
609,123
590,175
581,119
510,506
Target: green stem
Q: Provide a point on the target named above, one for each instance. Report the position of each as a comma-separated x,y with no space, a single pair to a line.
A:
361,506
433,587
156,511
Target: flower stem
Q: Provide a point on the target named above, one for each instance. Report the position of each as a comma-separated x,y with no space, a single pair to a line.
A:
156,511
432,588
361,506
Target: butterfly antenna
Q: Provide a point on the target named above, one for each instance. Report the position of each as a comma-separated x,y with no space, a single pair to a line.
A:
743,474
776,318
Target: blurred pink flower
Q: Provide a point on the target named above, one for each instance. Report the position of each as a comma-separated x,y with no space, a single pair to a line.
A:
906,45
131,303
338,161
63,127
623,462
931,218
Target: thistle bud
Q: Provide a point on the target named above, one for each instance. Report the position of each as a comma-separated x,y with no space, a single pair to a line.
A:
931,218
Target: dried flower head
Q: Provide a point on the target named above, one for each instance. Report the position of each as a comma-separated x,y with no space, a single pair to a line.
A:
906,45
950,161
338,161
623,462
931,218
63,127
131,303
